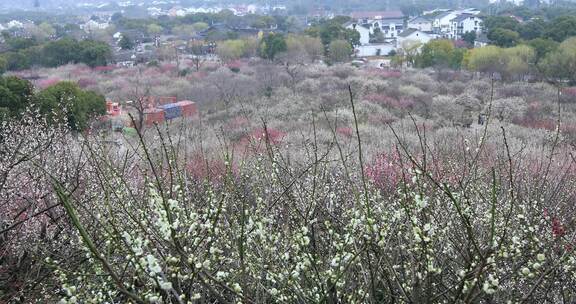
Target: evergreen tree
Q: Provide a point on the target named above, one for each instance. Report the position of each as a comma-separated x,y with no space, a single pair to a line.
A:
66,99
126,43
271,45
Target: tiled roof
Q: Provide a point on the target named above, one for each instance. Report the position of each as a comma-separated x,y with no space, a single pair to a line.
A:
419,19
378,15
407,32
443,15
462,17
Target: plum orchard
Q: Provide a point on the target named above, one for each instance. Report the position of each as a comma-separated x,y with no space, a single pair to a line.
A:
488,224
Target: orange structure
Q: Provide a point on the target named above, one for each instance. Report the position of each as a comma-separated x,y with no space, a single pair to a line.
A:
188,107
113,108
153,115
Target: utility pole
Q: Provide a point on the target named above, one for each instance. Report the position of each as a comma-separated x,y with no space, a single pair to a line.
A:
177,59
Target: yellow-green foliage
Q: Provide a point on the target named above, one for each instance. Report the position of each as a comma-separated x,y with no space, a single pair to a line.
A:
561,64
508,62
339,50
236,48
519,60
484,59
304,47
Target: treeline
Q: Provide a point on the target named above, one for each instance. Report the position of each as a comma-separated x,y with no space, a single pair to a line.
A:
193,23
506,31
269,46
323,40
64,100
24,53
519,62
417,7
534,9
332,29
291,48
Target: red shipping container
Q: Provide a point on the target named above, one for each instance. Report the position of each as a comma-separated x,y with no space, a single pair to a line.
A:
162,100
148,101
153,115
188,107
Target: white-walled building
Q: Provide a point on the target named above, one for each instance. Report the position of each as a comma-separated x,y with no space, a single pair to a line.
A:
421,23
376,49
451,24
390,23
390,28
442,22
364,31
94,25
413,35
465,23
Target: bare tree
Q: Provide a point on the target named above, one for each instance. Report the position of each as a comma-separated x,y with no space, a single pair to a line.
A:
197,49
139,98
